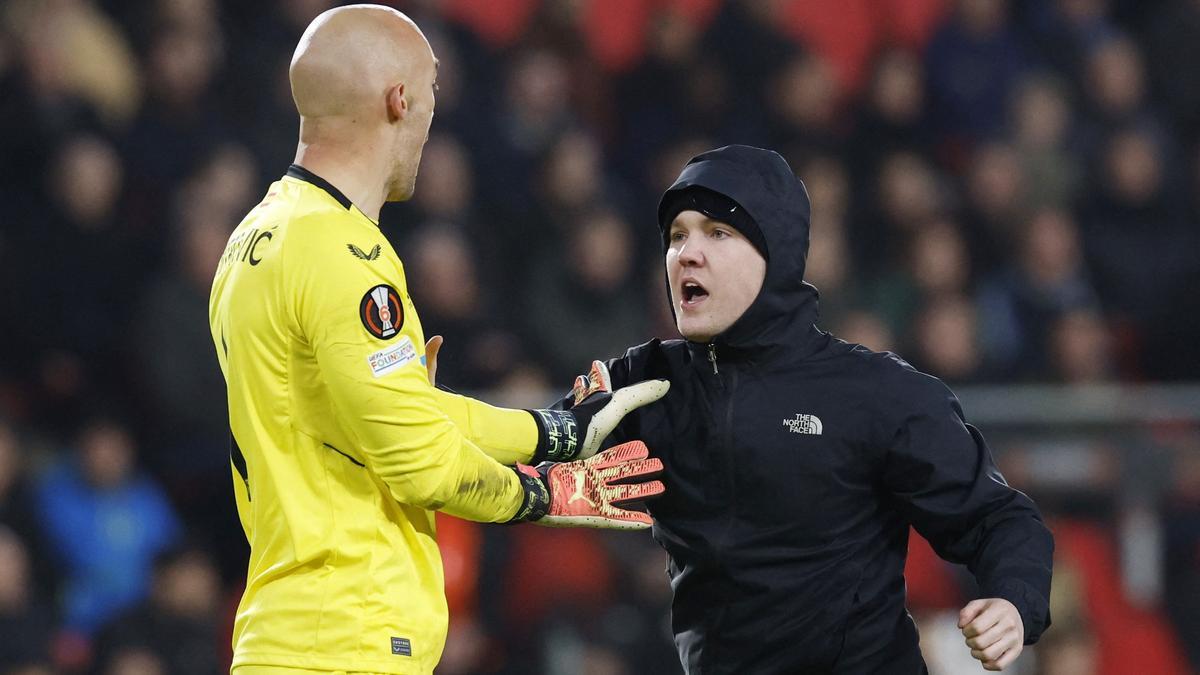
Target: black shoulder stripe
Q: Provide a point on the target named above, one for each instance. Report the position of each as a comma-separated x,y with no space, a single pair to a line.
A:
239,462
352,460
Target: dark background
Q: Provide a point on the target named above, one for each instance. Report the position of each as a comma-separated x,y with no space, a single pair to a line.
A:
1004,192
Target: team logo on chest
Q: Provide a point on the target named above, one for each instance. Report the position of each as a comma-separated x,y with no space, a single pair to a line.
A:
804,424
381,312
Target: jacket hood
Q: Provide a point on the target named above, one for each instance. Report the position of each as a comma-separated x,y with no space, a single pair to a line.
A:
763,184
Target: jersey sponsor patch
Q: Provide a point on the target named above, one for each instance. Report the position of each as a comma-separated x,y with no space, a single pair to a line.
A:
401,646
381,312
385,361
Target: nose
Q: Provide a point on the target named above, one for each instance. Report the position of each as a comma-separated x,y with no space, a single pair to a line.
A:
691,254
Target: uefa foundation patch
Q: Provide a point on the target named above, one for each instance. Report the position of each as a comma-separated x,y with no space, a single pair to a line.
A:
381,312
387,360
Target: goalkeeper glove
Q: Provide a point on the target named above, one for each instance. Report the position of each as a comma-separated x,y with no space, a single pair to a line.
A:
590,492
577,433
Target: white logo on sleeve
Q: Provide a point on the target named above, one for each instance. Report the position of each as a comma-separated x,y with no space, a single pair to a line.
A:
387,360
804,424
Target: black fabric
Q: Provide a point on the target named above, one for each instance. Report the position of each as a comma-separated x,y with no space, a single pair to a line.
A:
714,205
558,436
535,503
300,173
795,464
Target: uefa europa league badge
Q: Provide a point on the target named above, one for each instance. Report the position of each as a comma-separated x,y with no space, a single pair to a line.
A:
381,312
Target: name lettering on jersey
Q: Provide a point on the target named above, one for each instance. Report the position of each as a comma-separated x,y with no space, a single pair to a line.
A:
359,253
247,247
385,361
381,312
804,424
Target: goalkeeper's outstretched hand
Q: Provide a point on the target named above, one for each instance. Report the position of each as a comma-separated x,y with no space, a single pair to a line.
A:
592,492
578,432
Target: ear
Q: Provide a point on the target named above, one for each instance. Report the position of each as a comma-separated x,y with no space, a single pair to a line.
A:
397,105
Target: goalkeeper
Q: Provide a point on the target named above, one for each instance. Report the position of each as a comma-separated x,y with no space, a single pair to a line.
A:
341,449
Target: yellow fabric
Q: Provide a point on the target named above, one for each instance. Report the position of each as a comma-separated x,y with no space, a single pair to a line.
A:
506,435
346,450
274,670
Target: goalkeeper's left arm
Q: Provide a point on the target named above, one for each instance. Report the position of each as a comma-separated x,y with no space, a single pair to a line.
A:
512,436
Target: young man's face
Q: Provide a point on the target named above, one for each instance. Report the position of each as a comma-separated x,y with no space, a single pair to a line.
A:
715,274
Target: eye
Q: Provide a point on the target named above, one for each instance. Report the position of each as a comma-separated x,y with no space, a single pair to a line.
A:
677,236
720,233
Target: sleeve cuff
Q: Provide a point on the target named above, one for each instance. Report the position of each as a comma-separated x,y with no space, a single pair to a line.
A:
1031,605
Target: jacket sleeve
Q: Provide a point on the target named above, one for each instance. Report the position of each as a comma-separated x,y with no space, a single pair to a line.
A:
942,473
381,392
507,435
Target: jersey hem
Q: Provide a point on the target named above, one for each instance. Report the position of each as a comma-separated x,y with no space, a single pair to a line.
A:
330,663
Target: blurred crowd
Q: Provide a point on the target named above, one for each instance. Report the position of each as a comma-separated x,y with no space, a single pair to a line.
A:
1004,191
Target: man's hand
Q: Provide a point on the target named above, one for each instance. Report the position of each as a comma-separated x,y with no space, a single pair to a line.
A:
577,433
431,352
994,631
590,492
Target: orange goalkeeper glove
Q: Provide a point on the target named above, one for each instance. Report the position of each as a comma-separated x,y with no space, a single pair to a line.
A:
591,492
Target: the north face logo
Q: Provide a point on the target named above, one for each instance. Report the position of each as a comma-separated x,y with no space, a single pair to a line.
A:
804,424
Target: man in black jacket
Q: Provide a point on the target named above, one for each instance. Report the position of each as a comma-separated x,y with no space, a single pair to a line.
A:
797,462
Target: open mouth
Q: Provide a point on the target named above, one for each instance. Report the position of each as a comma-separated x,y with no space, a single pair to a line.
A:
693,294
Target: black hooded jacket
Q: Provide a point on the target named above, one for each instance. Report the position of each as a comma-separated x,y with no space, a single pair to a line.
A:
795,463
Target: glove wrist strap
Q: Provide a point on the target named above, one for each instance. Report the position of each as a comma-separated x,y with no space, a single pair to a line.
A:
536,502
558,436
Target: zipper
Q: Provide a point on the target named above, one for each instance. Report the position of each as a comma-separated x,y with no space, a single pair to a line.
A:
712,357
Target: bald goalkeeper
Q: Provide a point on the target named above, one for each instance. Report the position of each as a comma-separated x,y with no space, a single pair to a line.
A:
341,447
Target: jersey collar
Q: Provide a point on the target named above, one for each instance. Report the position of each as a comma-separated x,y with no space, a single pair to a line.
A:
300,173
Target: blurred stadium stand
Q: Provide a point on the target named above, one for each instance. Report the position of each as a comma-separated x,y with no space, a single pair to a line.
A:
1005,192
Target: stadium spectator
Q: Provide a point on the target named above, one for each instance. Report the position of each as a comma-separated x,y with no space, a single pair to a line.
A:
1135,216
892,115
938,265
803,106
1081,348
1020,303
134,661
972,64
446,282
588,301
104,522
177,623
1172,42
17,507
26,622
905,193
946,340
996,202
83,246
1041,136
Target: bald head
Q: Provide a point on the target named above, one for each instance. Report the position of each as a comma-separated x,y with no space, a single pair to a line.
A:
349,56
363,78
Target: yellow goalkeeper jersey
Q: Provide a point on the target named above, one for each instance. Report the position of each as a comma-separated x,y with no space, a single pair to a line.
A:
341,450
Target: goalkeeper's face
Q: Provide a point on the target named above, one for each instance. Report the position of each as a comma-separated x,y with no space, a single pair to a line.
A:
715,274
412,129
